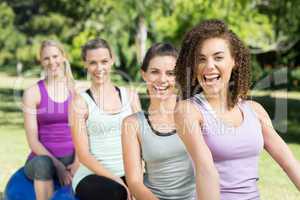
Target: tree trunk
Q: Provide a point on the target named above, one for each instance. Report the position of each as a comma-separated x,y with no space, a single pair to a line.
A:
141,38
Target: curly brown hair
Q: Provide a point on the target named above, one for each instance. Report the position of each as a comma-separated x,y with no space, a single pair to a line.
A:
187,62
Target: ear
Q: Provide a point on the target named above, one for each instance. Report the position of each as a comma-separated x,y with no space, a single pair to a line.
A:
233,64
85,65
113,58
144,76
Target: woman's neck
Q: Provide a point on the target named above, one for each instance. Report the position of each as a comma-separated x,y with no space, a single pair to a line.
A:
54,80
218,101
102,88
162,107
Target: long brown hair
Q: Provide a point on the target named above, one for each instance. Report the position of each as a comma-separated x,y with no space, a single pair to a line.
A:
187,62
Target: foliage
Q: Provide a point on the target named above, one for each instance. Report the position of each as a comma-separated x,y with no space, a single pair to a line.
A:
25,23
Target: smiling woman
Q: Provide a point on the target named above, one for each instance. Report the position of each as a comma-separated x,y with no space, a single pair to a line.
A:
45,108
223,131
150,136
96,116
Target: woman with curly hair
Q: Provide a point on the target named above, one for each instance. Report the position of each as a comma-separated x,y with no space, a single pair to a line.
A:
222,130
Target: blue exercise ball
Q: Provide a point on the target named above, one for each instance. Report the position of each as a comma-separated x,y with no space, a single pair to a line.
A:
19,187
64,193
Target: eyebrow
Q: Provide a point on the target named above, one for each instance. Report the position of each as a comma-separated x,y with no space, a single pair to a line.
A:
153,68
216,53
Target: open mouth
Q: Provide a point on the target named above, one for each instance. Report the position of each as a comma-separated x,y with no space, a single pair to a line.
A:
211,78
161,88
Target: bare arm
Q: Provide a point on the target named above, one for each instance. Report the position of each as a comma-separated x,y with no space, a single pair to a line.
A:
31,99
134,100
132,160
276,147
188,120
78,115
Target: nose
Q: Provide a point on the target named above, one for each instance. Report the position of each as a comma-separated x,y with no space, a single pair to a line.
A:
163,77
51,60
100,67
210,64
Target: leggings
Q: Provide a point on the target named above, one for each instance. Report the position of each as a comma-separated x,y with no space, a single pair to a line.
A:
42,167
94,187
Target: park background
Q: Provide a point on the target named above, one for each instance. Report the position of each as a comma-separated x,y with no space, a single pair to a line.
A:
270,28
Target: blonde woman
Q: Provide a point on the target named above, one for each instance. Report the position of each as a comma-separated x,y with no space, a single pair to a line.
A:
45,108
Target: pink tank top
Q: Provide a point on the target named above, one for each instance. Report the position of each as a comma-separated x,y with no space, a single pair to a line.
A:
53,127
235,150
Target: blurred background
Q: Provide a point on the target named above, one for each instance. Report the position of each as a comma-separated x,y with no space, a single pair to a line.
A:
270,28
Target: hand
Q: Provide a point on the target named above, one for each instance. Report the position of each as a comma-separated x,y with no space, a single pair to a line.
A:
119,180
73,167
64,176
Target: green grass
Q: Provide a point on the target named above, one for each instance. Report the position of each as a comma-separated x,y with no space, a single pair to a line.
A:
273,184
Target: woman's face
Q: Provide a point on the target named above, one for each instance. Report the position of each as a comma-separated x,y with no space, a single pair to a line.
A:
98,63
52,61
160,77
215,66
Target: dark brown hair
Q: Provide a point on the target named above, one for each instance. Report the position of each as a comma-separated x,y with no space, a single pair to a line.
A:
158,49
187,62
94,44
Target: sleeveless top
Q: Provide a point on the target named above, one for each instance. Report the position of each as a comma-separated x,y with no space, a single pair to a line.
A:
53,127
169,172
104,136
235,150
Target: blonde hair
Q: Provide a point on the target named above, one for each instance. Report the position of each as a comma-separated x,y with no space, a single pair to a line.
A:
67,66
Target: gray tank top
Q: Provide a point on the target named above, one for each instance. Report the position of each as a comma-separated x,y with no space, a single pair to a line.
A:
169,172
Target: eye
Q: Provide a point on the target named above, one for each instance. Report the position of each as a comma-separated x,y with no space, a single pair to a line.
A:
154,72
92,63
45,59
171,73
219,58
202,60
104,62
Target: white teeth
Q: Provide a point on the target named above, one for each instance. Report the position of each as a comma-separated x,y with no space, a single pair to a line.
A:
160,87
211,76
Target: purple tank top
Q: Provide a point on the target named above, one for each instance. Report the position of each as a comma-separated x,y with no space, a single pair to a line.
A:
53,127
235,150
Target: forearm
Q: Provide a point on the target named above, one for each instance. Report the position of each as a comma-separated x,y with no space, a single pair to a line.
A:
94,165
207,185
141,192
293,172
39,149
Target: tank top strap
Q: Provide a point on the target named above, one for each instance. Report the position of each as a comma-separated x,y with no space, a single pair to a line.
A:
141,120
247,110
125,98
88,100
43,91
202,105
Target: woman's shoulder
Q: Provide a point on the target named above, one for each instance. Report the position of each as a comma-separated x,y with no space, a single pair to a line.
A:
32,93
133,98
187,110
254,105
257,108
133,118
78,99
129,90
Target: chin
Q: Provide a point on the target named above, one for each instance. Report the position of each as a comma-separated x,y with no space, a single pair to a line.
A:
212,91
163,97
99,81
